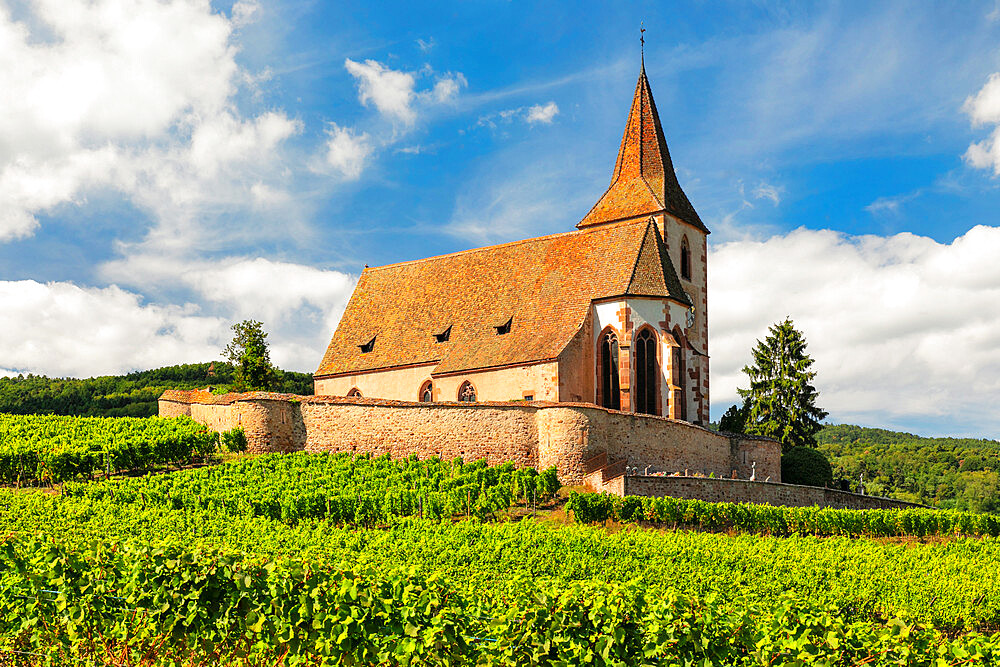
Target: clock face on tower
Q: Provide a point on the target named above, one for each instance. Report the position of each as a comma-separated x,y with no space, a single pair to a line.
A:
690,317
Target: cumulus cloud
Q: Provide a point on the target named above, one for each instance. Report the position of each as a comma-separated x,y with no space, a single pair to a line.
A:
391,91
135,96
347,151
540,113
901,327
61,329
984,109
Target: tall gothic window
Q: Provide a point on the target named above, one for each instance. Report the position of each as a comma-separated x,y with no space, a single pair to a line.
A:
427,392
677,373
610,391
685,259
467,393
647,372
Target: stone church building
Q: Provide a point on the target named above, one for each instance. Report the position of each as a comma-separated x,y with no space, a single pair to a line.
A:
613,313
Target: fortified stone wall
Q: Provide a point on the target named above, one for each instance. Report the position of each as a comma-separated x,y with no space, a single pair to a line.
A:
744,491
538,434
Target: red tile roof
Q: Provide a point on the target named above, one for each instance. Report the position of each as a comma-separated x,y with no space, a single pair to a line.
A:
544,285
644,181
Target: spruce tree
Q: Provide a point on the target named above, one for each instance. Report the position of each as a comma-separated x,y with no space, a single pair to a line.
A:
781,400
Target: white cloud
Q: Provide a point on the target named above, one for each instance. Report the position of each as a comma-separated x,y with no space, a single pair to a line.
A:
768,191
245,12
299,305
984,109
135,96
61,329
426,45
346,151
391,91
446,88
537,113
540,113
901,327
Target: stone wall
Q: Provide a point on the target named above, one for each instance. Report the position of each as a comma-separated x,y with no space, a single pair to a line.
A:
539,434
744,491
539,381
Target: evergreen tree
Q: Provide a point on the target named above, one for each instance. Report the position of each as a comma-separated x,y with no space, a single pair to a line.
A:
249,353
781,400
734,420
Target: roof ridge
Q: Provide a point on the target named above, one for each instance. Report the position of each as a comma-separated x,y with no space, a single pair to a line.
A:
469,251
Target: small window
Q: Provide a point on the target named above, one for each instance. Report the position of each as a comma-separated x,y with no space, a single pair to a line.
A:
443,336
685,259
427,392
368,347
529,397
467,393
354,393
505,327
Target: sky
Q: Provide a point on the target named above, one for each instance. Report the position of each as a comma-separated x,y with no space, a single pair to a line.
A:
171,167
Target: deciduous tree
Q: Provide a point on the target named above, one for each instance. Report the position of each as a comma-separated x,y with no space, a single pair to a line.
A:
249,353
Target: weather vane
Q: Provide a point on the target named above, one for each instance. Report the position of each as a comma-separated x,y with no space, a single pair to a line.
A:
642,38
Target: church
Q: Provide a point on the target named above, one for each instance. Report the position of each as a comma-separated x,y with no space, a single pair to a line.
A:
613,313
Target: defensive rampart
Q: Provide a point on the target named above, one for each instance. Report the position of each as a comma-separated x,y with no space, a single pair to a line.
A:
744,491
540,434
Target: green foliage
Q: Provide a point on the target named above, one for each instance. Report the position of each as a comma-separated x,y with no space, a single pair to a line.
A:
233,440
249,353
954,473
734,420
775,520
781,400
804,465
164,605
56,448
131,395
339,488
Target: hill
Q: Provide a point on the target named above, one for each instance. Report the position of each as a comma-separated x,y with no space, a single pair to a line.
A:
959,473
131,395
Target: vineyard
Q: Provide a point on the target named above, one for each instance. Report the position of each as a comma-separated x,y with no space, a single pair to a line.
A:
48,448
336,487
771,520
315,559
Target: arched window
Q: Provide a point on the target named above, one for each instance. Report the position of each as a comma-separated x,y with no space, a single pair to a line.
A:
685,259
467,393
427,392
610,392
647,372
354,393
678,371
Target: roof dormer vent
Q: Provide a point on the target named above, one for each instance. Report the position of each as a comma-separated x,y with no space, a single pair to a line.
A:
369,346
444,335
504,328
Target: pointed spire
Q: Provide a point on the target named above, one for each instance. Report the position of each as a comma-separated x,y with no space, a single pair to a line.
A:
644,181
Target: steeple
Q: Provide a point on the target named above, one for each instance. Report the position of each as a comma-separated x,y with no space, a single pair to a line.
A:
644,181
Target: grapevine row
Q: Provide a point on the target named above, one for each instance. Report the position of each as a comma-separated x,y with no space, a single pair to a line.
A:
156,606
773,520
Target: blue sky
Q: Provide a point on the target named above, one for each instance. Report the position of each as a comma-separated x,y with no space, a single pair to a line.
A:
169,168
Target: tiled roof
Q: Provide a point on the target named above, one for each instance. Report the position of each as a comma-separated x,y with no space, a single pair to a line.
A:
644,181
544,285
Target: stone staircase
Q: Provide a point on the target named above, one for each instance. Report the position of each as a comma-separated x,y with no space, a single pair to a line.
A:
601,473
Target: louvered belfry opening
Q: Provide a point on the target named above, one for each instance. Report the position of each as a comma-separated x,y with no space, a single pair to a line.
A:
647,372
610,389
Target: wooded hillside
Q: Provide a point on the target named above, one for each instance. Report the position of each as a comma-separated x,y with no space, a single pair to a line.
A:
132,395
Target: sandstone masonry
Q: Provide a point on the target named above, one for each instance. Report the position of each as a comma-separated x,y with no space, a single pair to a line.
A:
536,433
